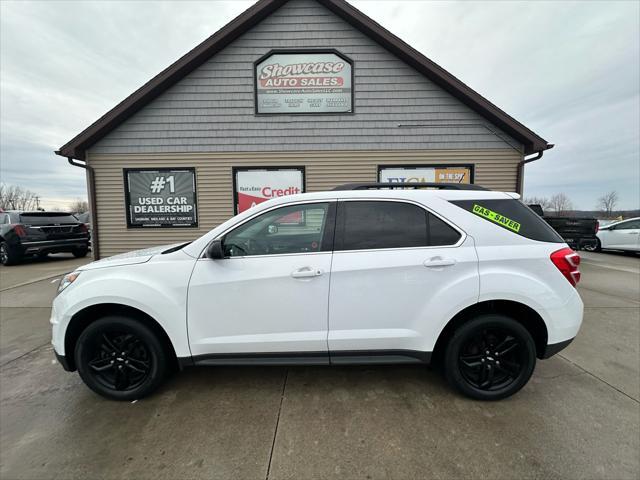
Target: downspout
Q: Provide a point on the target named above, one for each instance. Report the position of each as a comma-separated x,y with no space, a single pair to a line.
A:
520,174
95,244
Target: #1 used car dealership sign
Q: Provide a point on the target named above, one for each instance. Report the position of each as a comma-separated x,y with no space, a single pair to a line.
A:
161,197
292,83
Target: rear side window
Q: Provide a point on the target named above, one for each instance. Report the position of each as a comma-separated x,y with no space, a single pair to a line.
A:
373,225
512,215
440,233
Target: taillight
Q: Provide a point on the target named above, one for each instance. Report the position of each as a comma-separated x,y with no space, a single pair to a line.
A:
597,226
567,261
83,228
19,230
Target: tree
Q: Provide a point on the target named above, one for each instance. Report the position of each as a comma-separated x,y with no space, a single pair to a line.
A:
560,204
13,197
79,206
607,203
544,202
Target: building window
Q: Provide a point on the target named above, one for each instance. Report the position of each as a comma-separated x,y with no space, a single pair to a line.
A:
254,185
164,197
426,173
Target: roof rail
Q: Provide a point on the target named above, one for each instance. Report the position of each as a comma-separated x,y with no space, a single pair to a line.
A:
415,185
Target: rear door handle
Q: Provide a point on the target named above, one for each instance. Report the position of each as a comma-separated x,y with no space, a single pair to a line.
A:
437,262
307,272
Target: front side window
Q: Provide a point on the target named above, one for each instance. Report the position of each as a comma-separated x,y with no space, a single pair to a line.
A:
376,224
292,229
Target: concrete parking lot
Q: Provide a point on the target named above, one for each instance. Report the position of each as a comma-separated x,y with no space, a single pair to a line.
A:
579,417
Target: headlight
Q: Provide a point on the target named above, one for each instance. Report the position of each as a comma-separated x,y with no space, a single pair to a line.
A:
67,280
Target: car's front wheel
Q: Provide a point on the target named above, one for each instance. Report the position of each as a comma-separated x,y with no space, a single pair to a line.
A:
490,357
120,358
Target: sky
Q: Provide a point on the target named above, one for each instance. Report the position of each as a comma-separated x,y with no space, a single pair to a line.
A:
570,71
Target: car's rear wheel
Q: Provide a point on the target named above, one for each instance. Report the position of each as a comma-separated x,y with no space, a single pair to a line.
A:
594,247
120,358
80,252
490,357
8,256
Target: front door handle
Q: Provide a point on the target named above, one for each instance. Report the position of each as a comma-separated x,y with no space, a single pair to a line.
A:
307,272
437,262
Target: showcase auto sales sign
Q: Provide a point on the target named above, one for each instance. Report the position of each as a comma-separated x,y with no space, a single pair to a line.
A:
303,83
257,186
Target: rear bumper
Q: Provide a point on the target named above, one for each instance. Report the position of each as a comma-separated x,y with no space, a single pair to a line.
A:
579,243
553,348
61,245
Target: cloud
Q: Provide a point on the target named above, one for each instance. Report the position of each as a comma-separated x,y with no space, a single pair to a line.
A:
568,70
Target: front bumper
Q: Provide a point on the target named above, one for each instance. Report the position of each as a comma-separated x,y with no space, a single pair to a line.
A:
64,361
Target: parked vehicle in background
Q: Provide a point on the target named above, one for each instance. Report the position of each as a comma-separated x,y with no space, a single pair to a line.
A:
85,217
623,235
578,232
470,279
40,233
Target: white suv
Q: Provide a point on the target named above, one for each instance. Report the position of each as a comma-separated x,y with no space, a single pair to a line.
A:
470,279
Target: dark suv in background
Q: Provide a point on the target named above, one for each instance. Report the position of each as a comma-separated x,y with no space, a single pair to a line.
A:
40,233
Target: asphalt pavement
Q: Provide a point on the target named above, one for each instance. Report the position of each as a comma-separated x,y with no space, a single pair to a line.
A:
579,416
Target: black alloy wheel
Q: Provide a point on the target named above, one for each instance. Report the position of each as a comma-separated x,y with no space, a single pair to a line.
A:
120,358
490,357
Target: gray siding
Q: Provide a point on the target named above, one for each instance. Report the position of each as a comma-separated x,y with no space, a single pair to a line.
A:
212,109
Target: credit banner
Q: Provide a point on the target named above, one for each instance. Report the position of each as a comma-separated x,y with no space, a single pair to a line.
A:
453,174
161,198
257,186
303,83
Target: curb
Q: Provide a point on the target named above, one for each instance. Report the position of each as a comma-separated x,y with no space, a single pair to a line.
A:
35,280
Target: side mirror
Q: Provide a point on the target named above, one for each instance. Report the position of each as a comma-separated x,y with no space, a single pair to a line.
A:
215,250
272,229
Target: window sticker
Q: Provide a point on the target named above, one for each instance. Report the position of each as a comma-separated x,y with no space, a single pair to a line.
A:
496,218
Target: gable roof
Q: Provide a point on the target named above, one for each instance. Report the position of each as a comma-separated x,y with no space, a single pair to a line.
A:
77,146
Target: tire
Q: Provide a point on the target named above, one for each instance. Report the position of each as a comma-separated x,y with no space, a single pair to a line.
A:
595,248
8,256
80,252
472,367
120,358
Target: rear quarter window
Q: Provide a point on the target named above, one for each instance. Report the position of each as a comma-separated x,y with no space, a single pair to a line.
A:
512,215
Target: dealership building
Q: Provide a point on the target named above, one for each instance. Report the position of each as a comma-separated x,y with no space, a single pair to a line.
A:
291,96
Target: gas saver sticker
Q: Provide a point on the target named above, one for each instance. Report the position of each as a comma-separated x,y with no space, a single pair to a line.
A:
496,218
